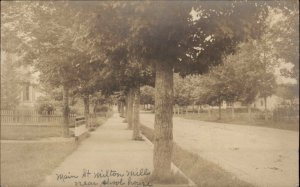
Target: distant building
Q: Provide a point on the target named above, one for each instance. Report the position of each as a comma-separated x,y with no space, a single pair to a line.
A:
28,95
19,84
29,89
272,103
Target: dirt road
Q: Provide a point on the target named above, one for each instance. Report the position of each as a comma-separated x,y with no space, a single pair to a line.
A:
262,156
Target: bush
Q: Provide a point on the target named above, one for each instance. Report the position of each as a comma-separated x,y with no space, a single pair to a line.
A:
74,110
101,108
45,107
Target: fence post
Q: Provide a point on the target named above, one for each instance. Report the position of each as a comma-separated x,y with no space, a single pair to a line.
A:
22,116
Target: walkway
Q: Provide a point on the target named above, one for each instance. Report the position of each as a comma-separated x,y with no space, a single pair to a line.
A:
41,140
262,156
107,158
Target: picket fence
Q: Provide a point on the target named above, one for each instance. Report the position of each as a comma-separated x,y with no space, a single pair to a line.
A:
31,117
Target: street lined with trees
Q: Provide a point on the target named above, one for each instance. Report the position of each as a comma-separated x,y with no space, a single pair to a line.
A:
160,53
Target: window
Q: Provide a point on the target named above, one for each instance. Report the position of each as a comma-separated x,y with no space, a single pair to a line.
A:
261,103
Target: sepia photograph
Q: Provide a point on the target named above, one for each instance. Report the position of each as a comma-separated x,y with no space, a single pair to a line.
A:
149,93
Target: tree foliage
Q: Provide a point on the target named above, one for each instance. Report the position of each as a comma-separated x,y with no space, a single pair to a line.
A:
147,95
117,46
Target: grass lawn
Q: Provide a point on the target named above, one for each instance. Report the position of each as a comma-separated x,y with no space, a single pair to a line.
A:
242,119
27,164
34,132
29,132
204,173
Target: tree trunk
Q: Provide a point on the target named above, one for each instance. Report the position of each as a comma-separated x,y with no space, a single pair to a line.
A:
126,108
86,102
209,111
220,111
266,112
130,108
66,111
119,107
126,105
122,109
136,114
193,107
232,111
249,112
163,127
198,109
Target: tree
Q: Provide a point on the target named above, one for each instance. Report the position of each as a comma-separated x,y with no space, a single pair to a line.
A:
279,44
167,40
228,84
254,63
242,77
17,22
89,81
146,36
289,92
171,40
221,84
128,75
14,17
69,60
51,49
285,34
257,73
182,91
10,82
147,95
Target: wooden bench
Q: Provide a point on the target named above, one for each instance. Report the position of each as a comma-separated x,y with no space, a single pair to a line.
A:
80,127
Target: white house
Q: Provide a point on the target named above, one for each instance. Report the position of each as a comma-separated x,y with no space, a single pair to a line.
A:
29,89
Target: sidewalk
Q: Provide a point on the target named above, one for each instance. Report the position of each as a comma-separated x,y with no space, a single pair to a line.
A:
107,158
